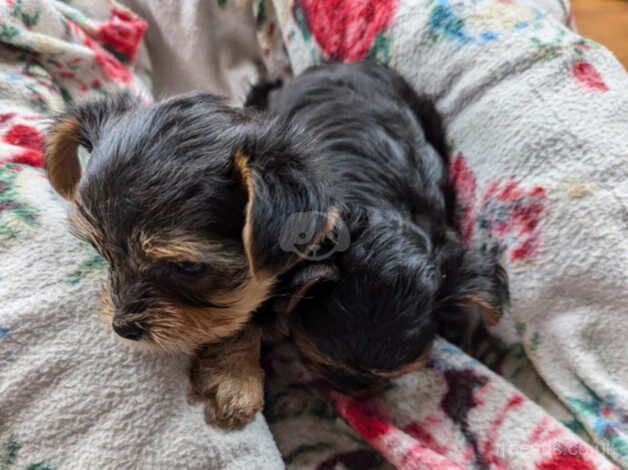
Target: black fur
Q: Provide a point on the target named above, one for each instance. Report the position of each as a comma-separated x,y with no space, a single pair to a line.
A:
406,274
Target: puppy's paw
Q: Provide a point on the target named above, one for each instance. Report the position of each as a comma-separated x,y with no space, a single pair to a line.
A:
234,403
228,379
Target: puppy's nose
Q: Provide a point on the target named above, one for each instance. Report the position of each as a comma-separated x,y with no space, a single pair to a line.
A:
128,330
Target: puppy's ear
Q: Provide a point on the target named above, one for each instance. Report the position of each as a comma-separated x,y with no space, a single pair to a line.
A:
288,210
474,291
81,125
302,281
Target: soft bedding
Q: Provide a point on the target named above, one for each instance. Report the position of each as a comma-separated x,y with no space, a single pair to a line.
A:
537,125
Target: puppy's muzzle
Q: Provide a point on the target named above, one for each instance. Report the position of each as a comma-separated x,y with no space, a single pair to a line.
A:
123,322
128,329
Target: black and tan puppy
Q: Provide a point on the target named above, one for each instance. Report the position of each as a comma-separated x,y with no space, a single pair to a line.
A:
371,311
184,199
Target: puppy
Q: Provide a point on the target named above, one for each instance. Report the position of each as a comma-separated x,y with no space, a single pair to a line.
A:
184,199
371,311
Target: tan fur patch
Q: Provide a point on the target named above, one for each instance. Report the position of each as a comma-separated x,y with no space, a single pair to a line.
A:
316,273
181,328
62,163
419,363
228,378
241,163
175,248
316,359
490,314
183,247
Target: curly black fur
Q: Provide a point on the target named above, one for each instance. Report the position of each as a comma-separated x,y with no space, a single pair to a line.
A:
406,274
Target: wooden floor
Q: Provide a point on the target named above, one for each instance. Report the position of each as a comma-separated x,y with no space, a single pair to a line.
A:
606,22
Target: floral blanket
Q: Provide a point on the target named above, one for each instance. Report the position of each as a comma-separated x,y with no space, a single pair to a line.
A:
536,121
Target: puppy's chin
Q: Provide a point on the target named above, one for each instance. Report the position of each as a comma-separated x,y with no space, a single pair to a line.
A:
176,328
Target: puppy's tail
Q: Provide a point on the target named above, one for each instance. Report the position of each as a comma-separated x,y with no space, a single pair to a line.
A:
257,97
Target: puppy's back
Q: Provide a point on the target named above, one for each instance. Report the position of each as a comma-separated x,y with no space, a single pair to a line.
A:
371,129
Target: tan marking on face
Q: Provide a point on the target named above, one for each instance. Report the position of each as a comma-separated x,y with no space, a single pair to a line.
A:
173,246
62,163
179,248
181,328
182,247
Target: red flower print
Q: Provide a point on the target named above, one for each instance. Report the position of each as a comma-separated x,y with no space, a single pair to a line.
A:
346,29
28,157
512,214
31,141
463,179
110,66
418,431
508,214
588,75
546,430
362,416
122,33
398,447
516,400
6,117
25,136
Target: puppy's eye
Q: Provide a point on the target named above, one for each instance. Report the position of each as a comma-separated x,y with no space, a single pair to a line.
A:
189,267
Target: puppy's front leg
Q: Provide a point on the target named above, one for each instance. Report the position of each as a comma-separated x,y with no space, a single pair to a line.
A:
228,378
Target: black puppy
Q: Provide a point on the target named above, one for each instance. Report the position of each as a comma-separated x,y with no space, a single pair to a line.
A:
184,198
371,311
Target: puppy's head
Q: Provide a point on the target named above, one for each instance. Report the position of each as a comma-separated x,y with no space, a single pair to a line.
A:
185,199
372,313
365,315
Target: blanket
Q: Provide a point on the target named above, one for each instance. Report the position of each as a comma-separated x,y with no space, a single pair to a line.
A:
512,83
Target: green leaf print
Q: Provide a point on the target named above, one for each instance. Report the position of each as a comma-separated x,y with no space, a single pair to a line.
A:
93,264
28,18
14,215
380,50
9,454
8,32
10,450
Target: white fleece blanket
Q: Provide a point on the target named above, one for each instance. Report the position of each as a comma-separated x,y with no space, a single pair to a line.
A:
536,120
